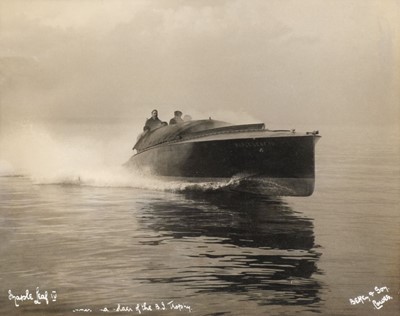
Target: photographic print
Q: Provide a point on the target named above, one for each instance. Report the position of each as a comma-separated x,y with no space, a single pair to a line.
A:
199,157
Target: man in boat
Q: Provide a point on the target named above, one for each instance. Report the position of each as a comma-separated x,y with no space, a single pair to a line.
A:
153,122
177,118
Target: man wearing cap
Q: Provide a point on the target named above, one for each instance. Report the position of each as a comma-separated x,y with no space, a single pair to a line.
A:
177,118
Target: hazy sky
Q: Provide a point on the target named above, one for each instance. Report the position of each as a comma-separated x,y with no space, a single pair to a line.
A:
298,62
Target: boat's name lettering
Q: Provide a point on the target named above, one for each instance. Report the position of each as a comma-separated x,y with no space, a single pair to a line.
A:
253,144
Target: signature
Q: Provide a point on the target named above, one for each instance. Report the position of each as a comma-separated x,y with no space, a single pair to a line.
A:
378,297
37,297
139,308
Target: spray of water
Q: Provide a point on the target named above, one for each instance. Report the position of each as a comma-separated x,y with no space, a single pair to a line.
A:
84,159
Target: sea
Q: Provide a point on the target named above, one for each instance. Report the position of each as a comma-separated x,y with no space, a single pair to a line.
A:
81,235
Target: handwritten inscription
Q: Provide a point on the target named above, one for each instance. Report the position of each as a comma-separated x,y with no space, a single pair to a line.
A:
37,297
378,297
139,308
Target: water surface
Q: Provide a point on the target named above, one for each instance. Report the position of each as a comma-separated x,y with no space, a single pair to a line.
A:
102,240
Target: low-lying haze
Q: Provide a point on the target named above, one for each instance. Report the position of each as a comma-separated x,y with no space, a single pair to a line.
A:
282,62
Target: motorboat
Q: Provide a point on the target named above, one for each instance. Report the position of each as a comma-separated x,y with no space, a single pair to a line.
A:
249,157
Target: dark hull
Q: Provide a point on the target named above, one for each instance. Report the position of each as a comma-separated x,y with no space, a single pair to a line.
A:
269,165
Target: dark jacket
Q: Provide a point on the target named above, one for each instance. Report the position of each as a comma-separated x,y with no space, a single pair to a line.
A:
175,120
153,123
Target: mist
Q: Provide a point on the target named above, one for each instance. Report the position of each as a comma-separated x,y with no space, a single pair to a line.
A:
297,62
79,78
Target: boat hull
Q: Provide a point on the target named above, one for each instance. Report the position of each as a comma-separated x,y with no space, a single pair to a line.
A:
267,165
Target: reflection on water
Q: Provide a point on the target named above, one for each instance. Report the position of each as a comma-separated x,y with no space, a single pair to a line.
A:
220,254
248,244
101,247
